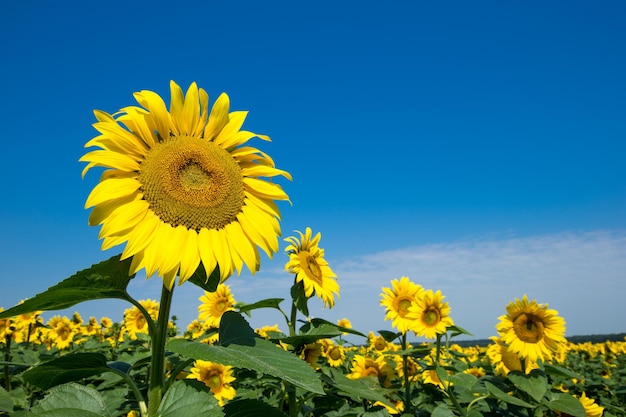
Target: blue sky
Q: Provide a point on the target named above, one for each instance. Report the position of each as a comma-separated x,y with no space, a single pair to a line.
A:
476,148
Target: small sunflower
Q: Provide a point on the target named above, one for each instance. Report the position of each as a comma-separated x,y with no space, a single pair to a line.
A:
334,354
61,332
397,300
134,320
181,188
306,260
532,330
214,305
504,361
217,377
430,315
365,366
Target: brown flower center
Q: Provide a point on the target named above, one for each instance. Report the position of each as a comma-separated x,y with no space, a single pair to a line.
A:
311,267
192,182
528,328
431,316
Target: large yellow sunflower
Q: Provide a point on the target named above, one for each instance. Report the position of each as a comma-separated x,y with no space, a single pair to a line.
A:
430,315
306,260
531,330
397,300
180,188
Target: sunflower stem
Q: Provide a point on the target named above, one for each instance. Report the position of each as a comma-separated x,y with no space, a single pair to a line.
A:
407,381
157,363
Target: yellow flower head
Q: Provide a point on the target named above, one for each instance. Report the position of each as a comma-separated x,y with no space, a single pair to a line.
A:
532,330
397,300
264,331
365,366
503,360
217,377
591,408
334,354
61,332
306,260
6,327
430,315
311,354
134,320
215,304
181,188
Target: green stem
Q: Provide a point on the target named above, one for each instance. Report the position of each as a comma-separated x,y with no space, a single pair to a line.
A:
152,326
407,381
157,363
143,409
7,359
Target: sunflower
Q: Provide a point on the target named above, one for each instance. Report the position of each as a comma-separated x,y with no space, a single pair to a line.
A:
591,408
61,332
215,376
397,300
366,366
430,315
311,353
306,260
532,330
335,354
214,305
180,188
503,360
134,320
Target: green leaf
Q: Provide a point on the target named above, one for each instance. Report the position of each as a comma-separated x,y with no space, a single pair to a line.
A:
442,410
67,368
234,329
503,396
71,400
6,403
533,384
207,283
189,398
559,371
566,403
107,279
251,408
312,334
456,331
267,303
319,322
299,298
356,389
264,357
389,336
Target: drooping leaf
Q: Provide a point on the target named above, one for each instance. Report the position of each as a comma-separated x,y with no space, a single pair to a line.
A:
71,400
503,396
310,334
267,303
389,336
560,371
299,298
107,279
355,389
65,369
251,408
316,322
566,403
234,329
188,398
205,281
264,357
533,384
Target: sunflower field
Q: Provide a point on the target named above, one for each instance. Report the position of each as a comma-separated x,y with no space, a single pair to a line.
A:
193,203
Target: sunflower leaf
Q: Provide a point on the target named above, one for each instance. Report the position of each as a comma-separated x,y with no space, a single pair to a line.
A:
566,403
234,329
533,384
300,299
189,398
264,357
203,280
107,279
71,400
267,303
65,369
251,408
503,396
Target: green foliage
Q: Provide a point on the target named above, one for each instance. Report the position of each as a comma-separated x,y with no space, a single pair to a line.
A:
189,398
107,279
67,368
70,400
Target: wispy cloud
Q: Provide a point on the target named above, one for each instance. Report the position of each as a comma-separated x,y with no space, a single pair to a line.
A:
582,275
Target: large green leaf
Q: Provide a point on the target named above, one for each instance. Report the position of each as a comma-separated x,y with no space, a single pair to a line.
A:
107,279
66,369
189,398
6,403
71,400
533,384
567,404
503,396
251,408
267,303
264,357
234,329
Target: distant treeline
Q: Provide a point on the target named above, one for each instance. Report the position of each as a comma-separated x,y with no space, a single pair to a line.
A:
593,338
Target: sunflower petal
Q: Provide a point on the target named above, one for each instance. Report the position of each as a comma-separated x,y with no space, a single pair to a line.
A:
111,189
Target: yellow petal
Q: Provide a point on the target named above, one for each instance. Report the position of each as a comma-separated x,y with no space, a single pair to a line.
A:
264,189
191,110
111,189
235,122
205,245
189,256
110,159
159,117
218,118
177,101
241,243
141,235
124,217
